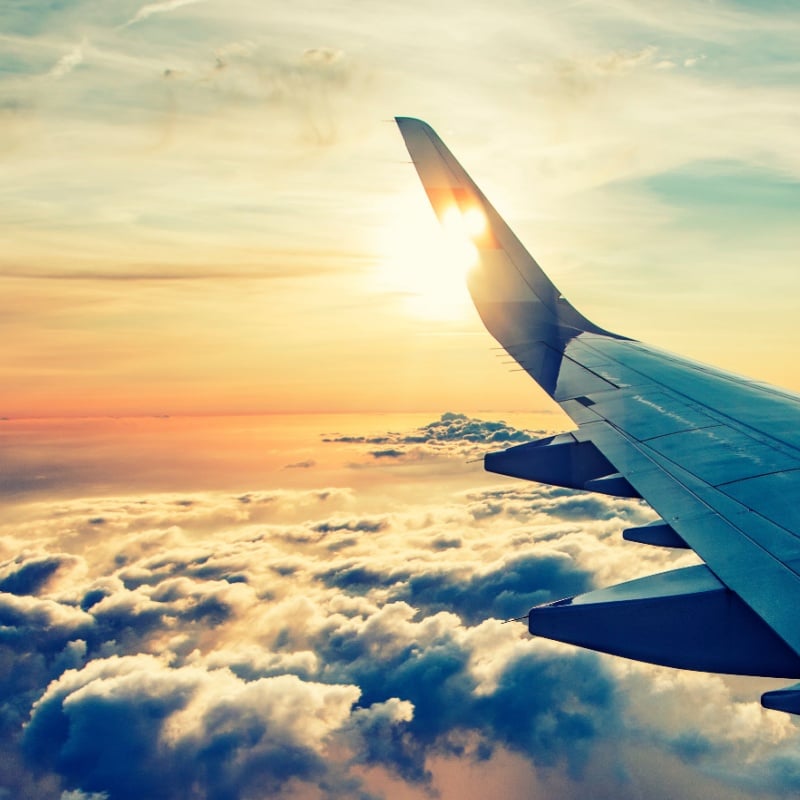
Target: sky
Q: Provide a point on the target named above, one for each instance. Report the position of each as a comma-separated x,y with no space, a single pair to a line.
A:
207,209
247,547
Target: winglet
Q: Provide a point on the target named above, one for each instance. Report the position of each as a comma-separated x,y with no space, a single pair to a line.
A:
513,295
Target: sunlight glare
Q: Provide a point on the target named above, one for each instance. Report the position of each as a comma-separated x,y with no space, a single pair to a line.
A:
468,224
426,262
474,222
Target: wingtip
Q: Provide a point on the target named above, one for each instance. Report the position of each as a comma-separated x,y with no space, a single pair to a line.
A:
405,123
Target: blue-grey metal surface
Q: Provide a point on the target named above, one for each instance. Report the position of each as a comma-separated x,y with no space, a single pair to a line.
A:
684,618
557,460
657,533
716,455
786,699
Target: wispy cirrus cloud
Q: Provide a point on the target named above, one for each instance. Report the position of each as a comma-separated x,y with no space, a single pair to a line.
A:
68,62
152,9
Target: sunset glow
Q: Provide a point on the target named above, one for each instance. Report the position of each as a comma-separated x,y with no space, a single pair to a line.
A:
248,547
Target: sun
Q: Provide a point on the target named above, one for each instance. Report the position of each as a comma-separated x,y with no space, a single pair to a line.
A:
426,262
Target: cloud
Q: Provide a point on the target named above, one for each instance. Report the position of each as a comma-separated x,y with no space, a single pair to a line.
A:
452,436
322,55
185,727
42,623
429,662
360,525
450,427
333,641
502,590
388,453
151,9
31,576
455,427
507,589
307,464
68,62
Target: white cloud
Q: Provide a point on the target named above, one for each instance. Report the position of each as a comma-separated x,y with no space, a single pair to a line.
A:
164,7
257,634
68,62
271,730
77,794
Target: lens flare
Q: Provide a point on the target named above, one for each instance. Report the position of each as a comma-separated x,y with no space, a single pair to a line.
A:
474,222
469,223
425,263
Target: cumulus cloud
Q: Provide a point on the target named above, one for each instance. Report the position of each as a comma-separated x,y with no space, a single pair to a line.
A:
29,576
450,427
453,435
506,588
186,727
324,640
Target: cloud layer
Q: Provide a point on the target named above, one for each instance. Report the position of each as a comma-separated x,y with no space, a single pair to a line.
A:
276,643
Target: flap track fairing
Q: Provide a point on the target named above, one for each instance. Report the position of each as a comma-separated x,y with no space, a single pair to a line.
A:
685,618
657,533
561,461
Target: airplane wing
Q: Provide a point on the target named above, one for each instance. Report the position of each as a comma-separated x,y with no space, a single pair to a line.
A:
717,456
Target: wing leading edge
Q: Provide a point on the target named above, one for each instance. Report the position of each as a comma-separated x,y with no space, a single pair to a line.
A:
716,456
